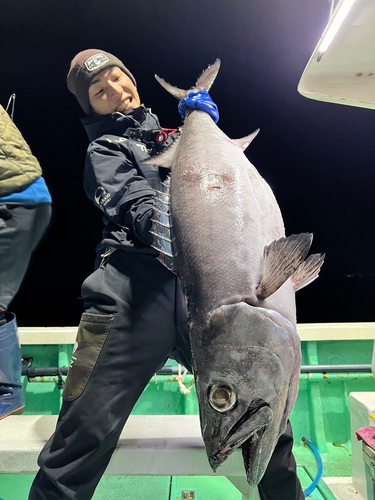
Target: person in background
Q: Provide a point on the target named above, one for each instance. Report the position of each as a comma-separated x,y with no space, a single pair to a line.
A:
134,309
25,212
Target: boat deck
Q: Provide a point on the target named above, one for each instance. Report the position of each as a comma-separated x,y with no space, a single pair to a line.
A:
321,415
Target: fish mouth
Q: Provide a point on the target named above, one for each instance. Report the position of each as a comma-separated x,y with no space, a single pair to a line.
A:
251,457
248,433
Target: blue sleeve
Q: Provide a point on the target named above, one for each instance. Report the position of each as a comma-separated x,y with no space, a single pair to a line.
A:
113,183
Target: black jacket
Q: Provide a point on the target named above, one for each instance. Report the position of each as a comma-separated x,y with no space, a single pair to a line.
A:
116,180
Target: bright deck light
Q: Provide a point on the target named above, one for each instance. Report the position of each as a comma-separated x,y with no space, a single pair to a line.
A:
339,16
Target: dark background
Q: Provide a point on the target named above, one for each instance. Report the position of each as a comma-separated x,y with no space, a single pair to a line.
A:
317,157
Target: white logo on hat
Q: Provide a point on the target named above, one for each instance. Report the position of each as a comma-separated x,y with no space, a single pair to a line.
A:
96,61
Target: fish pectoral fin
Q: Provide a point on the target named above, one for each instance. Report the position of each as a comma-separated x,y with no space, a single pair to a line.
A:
244,142
280,260
308,271
164,159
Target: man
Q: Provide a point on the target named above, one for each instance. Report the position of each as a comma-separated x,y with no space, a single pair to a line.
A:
25,212
135,315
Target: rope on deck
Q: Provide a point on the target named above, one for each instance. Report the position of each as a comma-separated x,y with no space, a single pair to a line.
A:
180,380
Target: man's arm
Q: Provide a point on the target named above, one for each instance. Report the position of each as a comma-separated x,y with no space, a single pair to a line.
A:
113,183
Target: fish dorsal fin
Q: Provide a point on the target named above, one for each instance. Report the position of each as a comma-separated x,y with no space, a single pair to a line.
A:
244,142
208,76
164,159
308,271
280,260
204,82
161,228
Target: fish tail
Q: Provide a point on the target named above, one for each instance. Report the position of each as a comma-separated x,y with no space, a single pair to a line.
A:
204,82
208,76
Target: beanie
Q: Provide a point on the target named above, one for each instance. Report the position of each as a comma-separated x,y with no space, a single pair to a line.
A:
84,67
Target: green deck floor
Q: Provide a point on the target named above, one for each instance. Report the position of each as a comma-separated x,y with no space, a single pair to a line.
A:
154,488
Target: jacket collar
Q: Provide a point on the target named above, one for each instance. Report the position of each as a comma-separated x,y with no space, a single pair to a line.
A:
117,123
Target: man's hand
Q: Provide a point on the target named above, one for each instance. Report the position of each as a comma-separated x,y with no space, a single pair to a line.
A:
199,99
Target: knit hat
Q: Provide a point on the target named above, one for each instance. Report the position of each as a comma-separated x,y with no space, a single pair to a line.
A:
84,67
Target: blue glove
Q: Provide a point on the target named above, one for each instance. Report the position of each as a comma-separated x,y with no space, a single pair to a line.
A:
199,99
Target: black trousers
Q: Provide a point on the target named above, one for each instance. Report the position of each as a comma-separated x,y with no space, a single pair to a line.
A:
134,319
21,229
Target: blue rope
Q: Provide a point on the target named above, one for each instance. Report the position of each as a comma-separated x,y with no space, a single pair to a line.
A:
319,462
199,99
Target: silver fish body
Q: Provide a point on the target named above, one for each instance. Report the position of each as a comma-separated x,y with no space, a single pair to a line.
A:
224,214
239,275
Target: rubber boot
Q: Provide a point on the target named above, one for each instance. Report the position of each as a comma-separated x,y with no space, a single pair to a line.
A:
12,399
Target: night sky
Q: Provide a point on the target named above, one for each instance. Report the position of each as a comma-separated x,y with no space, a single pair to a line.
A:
317,157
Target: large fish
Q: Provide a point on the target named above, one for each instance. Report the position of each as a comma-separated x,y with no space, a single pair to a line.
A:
222,233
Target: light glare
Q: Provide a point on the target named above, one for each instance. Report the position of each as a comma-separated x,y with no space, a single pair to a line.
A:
339,16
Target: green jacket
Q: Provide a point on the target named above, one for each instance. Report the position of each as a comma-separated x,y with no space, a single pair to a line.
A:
18,166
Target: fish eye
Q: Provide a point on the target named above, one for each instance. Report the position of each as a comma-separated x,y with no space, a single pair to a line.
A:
222,398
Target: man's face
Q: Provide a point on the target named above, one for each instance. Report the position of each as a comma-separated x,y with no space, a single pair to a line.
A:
112,90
